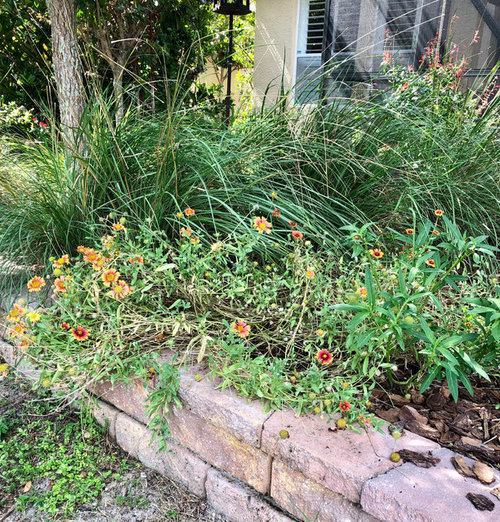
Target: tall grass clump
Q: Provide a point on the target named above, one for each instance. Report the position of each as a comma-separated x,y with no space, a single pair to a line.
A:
422,145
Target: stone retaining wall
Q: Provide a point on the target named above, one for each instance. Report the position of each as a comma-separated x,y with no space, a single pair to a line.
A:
230,451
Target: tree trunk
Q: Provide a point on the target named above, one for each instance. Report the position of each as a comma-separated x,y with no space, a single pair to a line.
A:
66,65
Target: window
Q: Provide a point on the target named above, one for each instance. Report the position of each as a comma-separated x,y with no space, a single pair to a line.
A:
356,36
315,26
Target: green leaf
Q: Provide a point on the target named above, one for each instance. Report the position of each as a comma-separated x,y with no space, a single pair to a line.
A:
451,378
349,307
430,377
370,288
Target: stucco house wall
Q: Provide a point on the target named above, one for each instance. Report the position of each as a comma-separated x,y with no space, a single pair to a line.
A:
279,38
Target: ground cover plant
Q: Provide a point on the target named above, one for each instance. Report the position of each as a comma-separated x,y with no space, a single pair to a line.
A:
316,331
58,465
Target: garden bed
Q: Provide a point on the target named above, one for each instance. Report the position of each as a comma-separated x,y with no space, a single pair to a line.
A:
241,459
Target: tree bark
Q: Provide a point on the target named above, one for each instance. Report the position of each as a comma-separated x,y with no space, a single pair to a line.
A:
67,70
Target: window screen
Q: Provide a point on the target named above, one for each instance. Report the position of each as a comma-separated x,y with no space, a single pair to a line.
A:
401,21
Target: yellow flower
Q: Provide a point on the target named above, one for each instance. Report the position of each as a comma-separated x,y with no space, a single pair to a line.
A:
274,195
4,368
33,317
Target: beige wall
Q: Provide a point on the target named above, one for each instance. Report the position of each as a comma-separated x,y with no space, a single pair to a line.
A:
276,30
275,40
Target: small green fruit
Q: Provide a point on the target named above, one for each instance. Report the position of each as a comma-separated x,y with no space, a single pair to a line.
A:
328,402
123,221
312,395
284,434
317,410
341,424
395,457
46,383
57,272
409,319
197,377
408,397
71,371
396,434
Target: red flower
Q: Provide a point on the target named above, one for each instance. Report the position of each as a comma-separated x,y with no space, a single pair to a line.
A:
80,333
292,224
438,212
431,263
345,406
410,231
276,213
324,357
297,235
65,326
377,253
189,212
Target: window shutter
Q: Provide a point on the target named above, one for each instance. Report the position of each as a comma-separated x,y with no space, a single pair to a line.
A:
315,26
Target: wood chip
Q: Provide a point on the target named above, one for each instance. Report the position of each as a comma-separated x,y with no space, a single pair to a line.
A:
483,472
422,460
416,397
496,492
462,467
481,502
398,400
423,430
471,441
391,415
408,413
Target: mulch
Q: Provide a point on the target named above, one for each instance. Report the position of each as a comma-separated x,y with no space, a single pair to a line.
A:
470,426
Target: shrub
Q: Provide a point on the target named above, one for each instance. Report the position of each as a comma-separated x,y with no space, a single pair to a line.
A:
273,330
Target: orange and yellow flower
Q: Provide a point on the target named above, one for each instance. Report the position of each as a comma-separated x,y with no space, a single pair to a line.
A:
137,260
120,290
241,328
117,227
262,225
410,231
345,405
431,263
110,277
435,232
63,260
310,274
274,195
195,240
324,357
83,249
179,214
60,285
80,333
297,235
189,212
186,232
362,291
65,326
438,212
377,253
216,246
16,313
36,284
17,330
